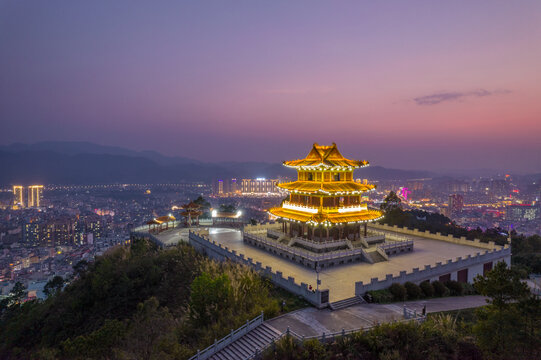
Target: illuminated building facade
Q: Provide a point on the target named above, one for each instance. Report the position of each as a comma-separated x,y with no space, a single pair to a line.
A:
18,198
259,186
522,212
456,202
325,202
35,195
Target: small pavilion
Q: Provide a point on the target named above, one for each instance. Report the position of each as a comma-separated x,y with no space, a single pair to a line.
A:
157,224
191,211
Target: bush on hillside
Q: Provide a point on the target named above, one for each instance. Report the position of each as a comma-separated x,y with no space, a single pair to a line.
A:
427,288
469,289
455,287
439,288
399,291
413,290
381,296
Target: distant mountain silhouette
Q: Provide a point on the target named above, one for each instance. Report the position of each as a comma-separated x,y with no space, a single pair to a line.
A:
82,147
87,163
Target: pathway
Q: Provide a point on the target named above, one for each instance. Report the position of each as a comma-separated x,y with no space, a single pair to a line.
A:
311,322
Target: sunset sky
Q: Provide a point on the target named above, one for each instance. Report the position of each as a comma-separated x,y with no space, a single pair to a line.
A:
406,84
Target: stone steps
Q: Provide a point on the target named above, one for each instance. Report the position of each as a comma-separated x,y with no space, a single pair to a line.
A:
246,346
376,257
341,304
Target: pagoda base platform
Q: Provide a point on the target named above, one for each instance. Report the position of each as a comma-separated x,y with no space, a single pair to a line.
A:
324,254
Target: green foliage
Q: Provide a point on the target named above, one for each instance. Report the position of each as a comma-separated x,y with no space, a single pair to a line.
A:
501,285
398,291
427,288
139,302
228,208
440,337
391,202
455,288
208,296
413,290
14,299
381,296
468,289
527,253
440,289
509,326
53,286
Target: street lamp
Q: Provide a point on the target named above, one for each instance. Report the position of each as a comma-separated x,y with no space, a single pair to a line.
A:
318,282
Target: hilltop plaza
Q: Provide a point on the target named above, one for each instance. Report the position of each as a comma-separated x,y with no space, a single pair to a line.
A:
323,242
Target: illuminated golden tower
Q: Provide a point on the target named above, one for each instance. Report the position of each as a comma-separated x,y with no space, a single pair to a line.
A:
18,199
35,193
325,203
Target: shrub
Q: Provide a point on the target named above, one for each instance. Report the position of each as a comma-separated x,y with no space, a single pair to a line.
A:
455,287
469,289
440,289
413,290
399,291
427,288
381,296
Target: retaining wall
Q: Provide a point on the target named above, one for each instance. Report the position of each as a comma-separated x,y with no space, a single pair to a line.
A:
217,251
473,264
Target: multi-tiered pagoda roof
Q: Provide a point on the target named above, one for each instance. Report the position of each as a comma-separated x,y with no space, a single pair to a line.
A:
325,192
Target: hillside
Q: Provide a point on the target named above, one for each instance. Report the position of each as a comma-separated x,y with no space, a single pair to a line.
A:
139,302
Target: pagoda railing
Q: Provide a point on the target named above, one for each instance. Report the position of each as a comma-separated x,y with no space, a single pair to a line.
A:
318,244
396,246
308,255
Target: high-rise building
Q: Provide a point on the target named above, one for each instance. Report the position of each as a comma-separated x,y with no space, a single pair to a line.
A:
522,212
18,198
35,194
233,187
456,202
259,186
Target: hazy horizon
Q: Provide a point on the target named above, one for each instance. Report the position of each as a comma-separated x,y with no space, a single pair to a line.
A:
406,85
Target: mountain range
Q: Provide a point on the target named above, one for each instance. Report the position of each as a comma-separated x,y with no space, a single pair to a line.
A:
57,162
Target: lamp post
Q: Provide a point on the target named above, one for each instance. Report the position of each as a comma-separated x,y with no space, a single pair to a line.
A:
318,282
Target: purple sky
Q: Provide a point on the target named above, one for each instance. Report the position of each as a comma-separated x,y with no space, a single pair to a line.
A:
407,84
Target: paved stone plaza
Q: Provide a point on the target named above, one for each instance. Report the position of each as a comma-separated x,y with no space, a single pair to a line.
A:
340,280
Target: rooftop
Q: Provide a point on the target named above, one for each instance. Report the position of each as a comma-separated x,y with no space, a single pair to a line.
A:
325,157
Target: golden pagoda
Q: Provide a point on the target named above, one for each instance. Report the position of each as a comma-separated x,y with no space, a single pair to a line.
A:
325,202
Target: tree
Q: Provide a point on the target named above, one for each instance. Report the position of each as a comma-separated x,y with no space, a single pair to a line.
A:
502,286
391,202
80,268
53,286
229,208
18,293
499,324
208,296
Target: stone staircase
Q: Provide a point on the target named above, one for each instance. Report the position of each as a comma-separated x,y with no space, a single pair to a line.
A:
248,345
341,304
375,256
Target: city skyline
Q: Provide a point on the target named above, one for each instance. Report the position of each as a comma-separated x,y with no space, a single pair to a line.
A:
411,86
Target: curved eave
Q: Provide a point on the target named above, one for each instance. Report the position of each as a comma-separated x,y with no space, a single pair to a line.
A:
327,219
326,188
325,167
